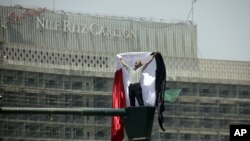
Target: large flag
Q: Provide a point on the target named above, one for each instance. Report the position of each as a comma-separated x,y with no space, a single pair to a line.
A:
152,83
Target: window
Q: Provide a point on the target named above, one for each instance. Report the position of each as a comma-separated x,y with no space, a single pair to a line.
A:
100,133
78,132
77,85
67,133
227,109
244,92
100,84
208,90
244,109
78,100
166,136
186,137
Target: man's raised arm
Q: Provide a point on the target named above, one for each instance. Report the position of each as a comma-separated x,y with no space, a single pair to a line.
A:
149,61
124,63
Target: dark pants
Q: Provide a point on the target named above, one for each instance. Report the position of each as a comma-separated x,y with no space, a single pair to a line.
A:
135,91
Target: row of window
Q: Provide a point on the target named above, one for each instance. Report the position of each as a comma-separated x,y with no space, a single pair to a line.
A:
105,84
55,81
56,132
190,123
52,119
216,110
192,137
211,90
53,100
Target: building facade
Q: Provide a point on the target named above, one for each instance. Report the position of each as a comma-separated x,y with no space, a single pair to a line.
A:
58,59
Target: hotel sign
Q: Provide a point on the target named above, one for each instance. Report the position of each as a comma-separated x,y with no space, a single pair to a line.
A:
66,25
93,28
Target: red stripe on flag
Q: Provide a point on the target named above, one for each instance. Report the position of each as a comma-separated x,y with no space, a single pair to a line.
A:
118,101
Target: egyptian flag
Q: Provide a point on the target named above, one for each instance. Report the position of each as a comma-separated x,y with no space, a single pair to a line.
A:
152,82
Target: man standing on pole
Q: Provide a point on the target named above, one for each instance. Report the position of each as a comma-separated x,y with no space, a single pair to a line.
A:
135,90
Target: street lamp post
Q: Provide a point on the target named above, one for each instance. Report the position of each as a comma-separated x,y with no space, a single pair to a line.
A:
138,121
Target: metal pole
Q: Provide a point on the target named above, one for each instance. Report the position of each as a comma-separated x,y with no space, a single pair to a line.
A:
138,121
77,111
